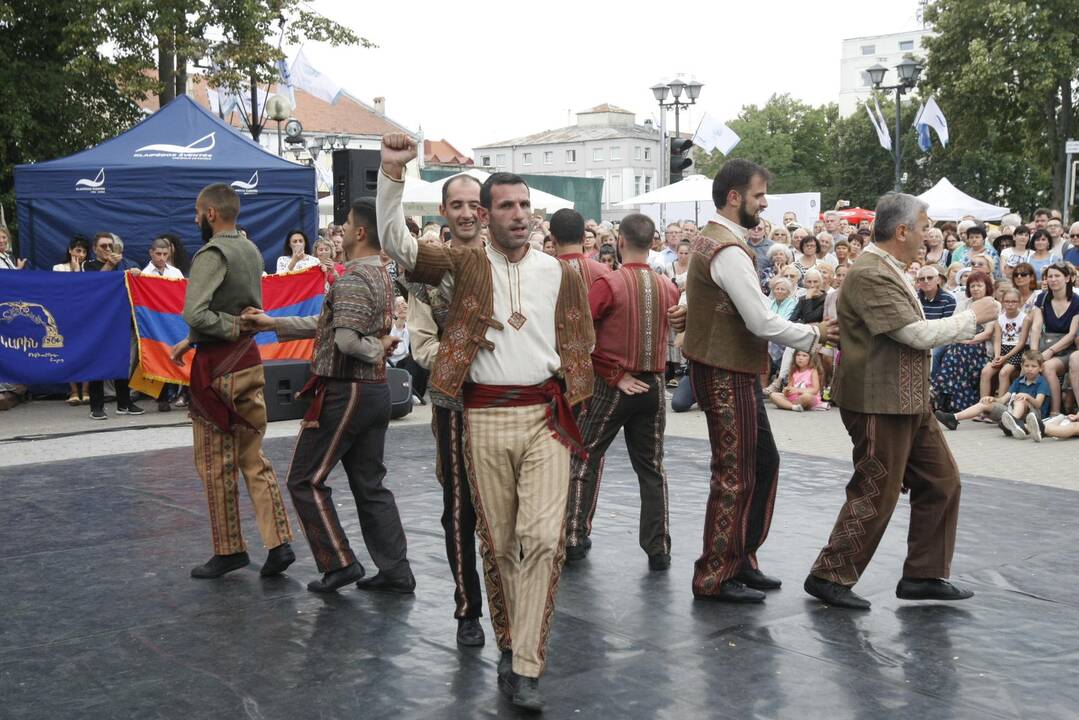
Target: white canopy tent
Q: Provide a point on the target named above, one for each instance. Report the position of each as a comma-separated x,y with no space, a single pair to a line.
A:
425,199
947,202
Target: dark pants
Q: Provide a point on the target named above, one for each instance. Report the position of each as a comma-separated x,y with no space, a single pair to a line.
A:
418,374
97,394
643,419
458,514
351,430
892,452
745,467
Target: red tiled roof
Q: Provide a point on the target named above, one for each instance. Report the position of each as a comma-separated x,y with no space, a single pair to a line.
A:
606,107
441,152
346,115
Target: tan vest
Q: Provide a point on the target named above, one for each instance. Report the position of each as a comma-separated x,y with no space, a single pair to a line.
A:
716,335
876,374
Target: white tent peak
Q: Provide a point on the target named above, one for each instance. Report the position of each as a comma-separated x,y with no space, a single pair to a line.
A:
947,202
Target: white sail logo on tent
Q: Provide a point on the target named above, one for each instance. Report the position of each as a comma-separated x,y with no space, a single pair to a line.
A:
246,188
97,185
197,150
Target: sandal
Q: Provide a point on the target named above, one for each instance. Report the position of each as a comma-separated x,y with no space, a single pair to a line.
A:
73,399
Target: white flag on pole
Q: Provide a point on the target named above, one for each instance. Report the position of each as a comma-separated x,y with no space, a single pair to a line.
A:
307,78
285,82
712,134
877,121
933,117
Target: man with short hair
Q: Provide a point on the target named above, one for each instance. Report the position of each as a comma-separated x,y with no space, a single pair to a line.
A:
228,412
671,237
881,386
973,244
108,258
567,231
629,311
160,250
1041,218
790,218
1071,251
428,311
1056,235
347,420
517,343
728,328
936,303
760,245
832,225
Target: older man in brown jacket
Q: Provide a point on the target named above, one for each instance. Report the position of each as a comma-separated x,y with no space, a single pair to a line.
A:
882,389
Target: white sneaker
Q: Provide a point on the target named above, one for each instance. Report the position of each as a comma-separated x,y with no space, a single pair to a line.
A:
1008,420
798,408
1033,427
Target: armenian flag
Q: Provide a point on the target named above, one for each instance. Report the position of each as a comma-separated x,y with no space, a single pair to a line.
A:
158,305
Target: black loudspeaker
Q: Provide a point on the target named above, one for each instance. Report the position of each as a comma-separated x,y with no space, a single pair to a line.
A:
355,176
400,383
285,378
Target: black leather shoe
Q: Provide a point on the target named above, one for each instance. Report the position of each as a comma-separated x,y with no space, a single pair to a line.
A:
758,580
218,565
834,593
527,695
335,579
505,663
733,591
946,419
578,551
929,589
470,632
507,679
405,585
659,561
278,559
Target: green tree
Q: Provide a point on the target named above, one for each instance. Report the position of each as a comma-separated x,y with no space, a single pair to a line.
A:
1005,72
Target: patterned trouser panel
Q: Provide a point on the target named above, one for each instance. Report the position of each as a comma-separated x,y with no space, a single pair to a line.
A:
642,418
220,456
745,467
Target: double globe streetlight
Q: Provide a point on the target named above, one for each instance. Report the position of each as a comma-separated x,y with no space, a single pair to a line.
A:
675,88
908,72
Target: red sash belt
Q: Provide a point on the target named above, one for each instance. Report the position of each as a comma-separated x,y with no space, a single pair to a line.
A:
560,417
212,360
316,388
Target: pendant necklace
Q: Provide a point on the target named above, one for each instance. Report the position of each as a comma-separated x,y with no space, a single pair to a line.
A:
516,319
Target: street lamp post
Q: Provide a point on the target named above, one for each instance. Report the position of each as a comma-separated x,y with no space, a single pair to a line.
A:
674,88
908,72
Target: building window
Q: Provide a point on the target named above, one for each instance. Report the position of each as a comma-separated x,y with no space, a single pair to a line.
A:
648,153
869,49
636,152
648,183
485,161
616,189
548,157
636,184
500,160
616,152
597,155
526,158
906,44
571,156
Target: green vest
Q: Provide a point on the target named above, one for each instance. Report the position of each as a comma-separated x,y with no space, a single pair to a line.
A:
242,285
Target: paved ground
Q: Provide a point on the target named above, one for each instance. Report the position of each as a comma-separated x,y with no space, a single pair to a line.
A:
102,621
50,430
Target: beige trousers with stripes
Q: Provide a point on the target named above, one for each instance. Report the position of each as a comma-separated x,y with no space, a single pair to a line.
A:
520,480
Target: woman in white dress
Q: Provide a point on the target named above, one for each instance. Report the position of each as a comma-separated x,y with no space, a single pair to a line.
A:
297,254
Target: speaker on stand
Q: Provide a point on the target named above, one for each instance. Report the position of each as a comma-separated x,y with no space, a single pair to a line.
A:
355,176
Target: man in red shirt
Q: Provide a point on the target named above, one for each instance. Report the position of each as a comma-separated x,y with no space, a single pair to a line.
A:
629,309
567,229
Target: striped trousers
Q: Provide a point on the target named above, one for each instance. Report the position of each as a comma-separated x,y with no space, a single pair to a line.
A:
642,418
520,478
219,456
458,513
352,431
745,468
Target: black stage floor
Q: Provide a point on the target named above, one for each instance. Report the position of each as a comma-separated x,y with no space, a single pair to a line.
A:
100,618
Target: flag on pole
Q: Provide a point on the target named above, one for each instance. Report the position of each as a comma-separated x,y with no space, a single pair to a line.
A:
712,134
310,80
881,128
924,141
931,116
285,82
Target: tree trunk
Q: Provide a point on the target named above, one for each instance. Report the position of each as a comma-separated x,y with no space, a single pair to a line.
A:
166,68
181,58
253,119
1060,158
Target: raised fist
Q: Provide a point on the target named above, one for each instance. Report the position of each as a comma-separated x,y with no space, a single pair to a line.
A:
397,150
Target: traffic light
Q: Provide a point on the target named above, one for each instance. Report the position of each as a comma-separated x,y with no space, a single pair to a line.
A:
679,161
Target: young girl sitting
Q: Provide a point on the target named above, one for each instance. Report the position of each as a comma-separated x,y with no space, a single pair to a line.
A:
803,391
1009,339
1021,405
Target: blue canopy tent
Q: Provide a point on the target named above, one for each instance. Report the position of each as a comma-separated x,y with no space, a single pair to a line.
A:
144,182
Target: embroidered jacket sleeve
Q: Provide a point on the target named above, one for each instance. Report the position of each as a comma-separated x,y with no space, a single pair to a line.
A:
886,308
207,273
928,334
737,276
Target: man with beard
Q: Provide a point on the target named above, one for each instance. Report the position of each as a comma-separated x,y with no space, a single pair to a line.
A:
228,412
428,308
348,417
727,332
517,341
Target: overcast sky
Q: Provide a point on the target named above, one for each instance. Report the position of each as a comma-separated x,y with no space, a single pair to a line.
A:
484,71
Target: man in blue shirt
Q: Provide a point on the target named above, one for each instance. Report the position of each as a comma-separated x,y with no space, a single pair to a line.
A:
936,303
1071,254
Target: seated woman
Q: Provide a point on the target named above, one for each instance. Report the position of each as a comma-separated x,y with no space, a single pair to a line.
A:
296,255
783,304
1018,410
780,258
955,384
803,391
1053,330
1010,334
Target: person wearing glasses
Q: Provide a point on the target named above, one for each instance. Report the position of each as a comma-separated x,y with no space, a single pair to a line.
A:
1024,280
935,303
1071,251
